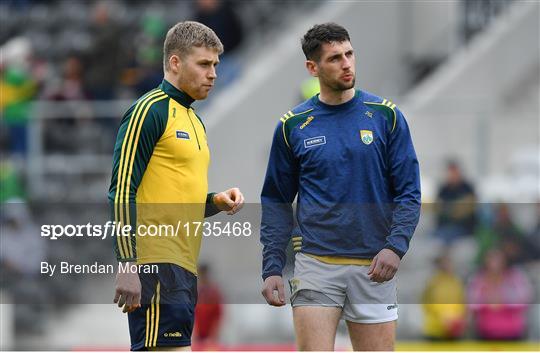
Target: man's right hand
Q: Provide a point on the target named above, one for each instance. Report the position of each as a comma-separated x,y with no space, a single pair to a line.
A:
272,284
128,291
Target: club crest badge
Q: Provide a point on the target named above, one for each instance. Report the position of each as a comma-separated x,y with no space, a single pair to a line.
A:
366,136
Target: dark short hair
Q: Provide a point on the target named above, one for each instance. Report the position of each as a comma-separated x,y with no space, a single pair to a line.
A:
319,34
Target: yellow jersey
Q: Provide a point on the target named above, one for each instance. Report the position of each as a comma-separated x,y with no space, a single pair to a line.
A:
159,184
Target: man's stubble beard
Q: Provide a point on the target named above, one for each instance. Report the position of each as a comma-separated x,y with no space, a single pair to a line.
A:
344,86
338,86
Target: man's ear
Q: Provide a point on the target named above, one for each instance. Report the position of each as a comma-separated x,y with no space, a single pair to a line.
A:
312,68
175,63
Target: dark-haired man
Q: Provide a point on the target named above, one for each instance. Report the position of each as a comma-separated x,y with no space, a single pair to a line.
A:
349,157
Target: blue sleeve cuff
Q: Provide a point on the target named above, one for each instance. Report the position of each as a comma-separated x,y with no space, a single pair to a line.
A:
273,273
394,249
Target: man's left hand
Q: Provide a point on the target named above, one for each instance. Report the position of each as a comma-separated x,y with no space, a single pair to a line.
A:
230,201
384,266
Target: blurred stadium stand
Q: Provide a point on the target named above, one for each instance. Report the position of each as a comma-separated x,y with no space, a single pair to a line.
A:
465,73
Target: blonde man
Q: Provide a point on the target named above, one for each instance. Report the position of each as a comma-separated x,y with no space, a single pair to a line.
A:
160,177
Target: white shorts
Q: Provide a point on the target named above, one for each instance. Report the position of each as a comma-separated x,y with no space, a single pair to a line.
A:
316,283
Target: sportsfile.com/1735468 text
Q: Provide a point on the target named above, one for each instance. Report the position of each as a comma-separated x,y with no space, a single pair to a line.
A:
113,228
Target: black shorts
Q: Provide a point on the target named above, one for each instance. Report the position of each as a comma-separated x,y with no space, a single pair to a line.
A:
165,318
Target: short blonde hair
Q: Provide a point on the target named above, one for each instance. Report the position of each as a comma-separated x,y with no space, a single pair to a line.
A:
185,35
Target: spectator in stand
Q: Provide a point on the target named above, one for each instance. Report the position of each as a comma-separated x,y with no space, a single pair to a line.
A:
443,302
69,86
17,89
222,18
148,55
499,296
209,310
507,235
106,57
68,134
455,206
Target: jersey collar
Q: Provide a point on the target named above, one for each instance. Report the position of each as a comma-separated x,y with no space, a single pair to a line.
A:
176,94
341,106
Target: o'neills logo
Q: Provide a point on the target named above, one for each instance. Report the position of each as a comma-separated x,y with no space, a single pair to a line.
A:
306,123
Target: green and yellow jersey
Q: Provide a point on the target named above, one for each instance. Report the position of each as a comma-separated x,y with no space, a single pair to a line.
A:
160,179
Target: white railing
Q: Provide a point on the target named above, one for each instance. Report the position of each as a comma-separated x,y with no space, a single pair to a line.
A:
40,162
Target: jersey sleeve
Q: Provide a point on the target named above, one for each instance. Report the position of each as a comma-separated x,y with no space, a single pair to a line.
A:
140,129
210,208
279,190
405,182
